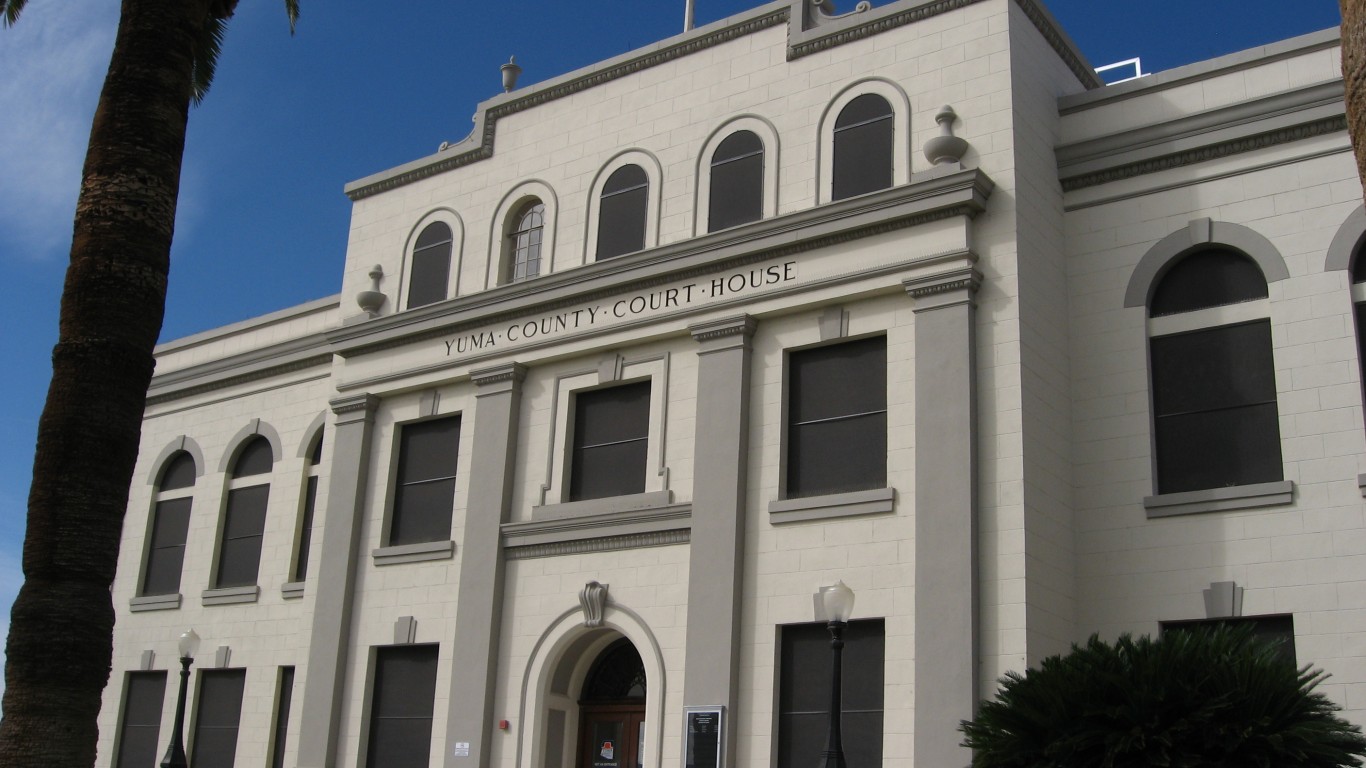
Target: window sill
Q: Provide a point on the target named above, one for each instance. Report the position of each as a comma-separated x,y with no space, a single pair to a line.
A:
414,553
1272,494
230,595
833,505
154,603
646,519
632,502
292,590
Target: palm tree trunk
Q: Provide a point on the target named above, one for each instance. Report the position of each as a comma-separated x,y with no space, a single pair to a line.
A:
60,640
1354,76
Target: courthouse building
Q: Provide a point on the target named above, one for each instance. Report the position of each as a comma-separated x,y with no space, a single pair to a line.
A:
900,296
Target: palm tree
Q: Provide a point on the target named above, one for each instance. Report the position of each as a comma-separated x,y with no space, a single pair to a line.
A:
61,627
1206,697
1354,75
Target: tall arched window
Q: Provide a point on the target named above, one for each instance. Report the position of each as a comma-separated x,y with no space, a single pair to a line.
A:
310,503
244,524
737,182
1215,417
864,134
431,269
1359,304
621,212
524,237
170,526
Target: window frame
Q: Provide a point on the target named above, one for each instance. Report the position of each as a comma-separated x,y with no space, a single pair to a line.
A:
654,177
202,678
307,518
901,132
161,498
374,689
236,489
500,265
402,547
768,138
121,734
594,398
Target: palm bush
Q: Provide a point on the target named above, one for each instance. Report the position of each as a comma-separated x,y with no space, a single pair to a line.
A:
1208,697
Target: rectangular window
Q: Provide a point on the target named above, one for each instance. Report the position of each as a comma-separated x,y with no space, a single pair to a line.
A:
611,437
1214,401
284,698
837,418
401,707
243,529
218,714
143,695
427,455
166,553
805,666
1277,630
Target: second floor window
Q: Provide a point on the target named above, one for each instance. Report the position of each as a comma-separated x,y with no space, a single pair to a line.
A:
621,212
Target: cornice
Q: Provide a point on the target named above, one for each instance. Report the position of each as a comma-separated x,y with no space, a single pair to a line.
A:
607,544
275,360
1061,43
927,199
743,325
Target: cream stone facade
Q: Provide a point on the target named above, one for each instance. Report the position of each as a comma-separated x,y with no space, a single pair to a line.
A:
440,518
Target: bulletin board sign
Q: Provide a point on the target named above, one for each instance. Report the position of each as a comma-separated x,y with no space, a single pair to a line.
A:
704,737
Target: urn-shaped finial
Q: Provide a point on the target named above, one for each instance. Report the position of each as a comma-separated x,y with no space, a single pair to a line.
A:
510,73
372,300
945,148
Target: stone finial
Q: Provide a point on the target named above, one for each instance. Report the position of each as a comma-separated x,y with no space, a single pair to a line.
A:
372,300
593,600
945,149
824,11
510,73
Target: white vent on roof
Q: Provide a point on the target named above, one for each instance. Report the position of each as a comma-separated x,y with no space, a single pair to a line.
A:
1135,62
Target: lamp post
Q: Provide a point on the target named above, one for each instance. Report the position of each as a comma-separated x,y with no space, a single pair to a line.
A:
175,754
839,605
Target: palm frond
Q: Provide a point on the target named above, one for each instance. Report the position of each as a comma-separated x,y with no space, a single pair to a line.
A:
206,50
292,9
12,8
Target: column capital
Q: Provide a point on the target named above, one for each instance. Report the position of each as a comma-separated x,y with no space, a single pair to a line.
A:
943,288
498,378
725,332
352,408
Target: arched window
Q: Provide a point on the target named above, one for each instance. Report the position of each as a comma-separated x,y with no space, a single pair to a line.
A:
524,237
1359,304
622,210
170,526
244,524
863,137
431,268
310,502
1215,419
737,182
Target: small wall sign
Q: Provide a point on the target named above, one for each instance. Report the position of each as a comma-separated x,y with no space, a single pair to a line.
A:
704,730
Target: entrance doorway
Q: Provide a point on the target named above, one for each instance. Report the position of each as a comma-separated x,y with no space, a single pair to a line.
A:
612,710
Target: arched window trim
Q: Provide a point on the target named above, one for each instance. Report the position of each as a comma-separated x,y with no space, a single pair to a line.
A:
157,600
768,135
901,133
253,428
1151,268
513,202
181,443
451,219
650,164
1346,253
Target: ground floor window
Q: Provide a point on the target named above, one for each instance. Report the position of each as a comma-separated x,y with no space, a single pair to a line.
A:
401,707
804,693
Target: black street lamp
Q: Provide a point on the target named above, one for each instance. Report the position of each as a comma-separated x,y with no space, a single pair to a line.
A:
175,754
839,606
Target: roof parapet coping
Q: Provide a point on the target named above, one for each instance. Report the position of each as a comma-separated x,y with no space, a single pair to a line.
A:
324,304
1201,70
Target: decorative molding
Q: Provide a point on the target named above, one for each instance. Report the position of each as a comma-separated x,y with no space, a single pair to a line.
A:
933,291
1223,600
1060,43
357,407
507,373
608,544
235,370
146,660
222,657
725,327
405,630
574,522
1321,127
593,601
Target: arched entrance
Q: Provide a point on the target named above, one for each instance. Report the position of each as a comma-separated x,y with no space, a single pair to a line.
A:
612,710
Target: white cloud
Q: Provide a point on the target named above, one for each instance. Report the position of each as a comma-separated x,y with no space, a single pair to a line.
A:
54,59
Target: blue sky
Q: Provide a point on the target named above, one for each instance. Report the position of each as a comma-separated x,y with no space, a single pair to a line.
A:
360,88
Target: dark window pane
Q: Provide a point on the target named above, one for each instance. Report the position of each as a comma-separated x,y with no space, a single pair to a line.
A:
863,139
255,458
179,473
217,717
1360,311
1215,413
737,182
166,551
1209,278
143,697
804,693
243,528
611,437
431,266
285,699
617,674
622,211
401,707
837,418
1274,630
306,530
1358,266
315,457
428,455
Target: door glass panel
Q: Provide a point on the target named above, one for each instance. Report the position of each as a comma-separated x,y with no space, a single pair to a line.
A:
607,745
